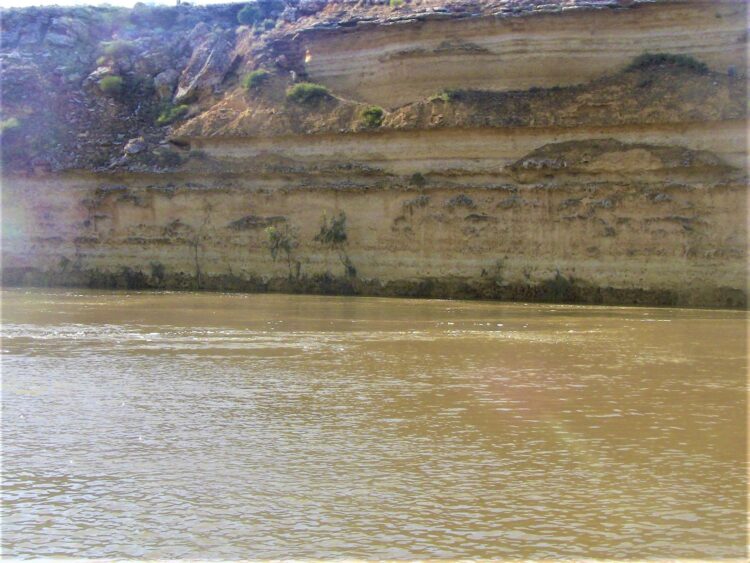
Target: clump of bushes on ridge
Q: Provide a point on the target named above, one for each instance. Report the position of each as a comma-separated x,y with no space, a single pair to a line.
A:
446,96
649,60
170,113
307,92
255,79
373,116
111,85
117,47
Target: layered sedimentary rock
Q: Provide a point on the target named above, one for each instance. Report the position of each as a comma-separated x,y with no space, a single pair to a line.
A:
557,47
589,151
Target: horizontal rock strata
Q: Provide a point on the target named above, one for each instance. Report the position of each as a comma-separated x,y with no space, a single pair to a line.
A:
572,151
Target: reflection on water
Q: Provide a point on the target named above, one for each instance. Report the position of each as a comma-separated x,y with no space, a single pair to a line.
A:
261,426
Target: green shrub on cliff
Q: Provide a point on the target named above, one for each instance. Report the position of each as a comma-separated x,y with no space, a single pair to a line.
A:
332,233
461,200
117,48
446,96
8,124
396,3
307,92
280,241
650,60
373,116
111,85
171,113
255,78
558,289
417,179
284,241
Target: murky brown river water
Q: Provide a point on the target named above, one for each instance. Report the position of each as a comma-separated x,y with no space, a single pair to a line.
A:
265,426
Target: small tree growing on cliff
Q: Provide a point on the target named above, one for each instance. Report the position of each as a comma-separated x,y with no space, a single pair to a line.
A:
283,242
332,235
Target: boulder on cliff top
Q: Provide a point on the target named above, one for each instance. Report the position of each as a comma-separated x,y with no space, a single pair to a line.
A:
207,67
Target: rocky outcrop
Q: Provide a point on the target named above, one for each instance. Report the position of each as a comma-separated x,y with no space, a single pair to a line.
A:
208,66
516,46
587,151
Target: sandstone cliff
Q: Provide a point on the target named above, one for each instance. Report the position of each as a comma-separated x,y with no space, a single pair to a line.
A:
583,150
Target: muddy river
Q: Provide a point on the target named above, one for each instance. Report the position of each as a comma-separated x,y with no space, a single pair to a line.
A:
175,425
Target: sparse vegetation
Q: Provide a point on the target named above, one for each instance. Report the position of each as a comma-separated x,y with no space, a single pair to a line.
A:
559,288
170,113
307,92
461,200
333,235
278,242
111,85
255,79
8,124
396,3
419,201
351,271
249,222
250,14
117,48
650,60
373,116
447,96
494,274
418,180
157,272
283,241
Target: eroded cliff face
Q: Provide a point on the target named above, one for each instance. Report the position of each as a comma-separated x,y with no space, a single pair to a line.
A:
587,151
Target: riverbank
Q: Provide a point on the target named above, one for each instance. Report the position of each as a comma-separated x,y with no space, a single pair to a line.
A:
324,154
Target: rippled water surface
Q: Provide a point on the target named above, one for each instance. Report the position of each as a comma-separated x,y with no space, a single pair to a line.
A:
261,426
